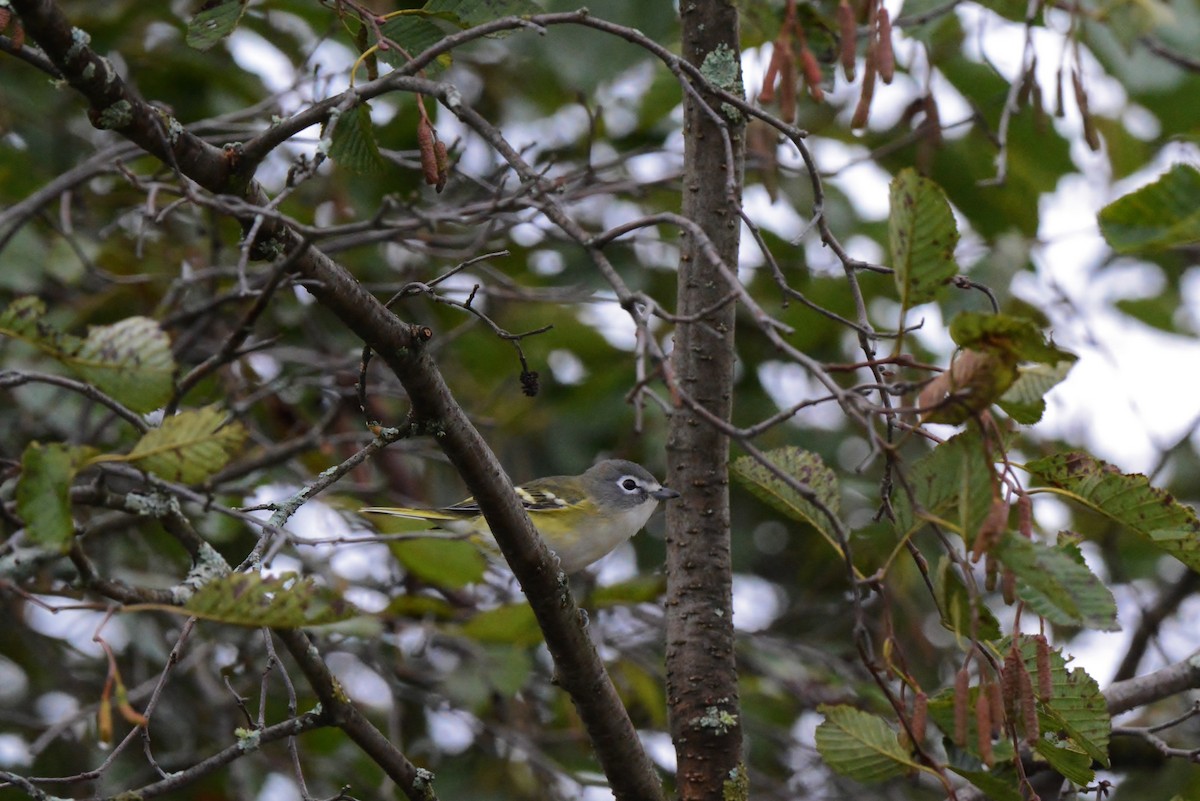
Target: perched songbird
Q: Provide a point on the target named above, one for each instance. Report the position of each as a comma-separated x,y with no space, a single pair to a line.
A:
581,518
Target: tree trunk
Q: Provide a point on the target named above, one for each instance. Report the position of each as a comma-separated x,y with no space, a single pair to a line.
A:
702,687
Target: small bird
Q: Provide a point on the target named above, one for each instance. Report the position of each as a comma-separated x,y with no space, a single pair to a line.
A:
581,518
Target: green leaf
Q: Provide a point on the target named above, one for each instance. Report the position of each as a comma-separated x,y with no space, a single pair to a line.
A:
1126,498
188,447
22,319
921,238
215,20
130,360
353,145
414,35
1025,400
469,13
1075,712
1164,214
959,607
443,562
952,484
1072,763
860,745
1011,335
807,468
514,624
283,602
998,788
1055,583
43,492
637,590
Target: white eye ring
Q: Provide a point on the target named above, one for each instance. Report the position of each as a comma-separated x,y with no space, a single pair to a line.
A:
629,484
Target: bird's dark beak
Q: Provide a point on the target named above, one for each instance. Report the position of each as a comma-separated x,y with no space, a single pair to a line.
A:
664,494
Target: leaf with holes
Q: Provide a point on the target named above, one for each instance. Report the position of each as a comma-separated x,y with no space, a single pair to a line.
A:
130,360
922,236
806,468
284,602
215,20
1126,498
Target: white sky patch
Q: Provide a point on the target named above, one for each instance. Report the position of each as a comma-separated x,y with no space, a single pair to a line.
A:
756,602
277,787
259,57
788,384
659,748
361,683
14,751
452,729
567,368
76,626
613,323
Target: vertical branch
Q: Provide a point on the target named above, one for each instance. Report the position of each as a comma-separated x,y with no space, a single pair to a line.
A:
701,672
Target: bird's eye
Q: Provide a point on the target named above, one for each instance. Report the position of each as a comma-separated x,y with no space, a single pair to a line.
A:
628,484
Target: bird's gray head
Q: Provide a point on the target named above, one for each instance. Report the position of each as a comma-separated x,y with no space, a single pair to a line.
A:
625,484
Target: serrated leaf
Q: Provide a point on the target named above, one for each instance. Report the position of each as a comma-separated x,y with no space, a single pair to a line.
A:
513,624
1072,763
1075,712
43,492
952,484
284,602
353,143
130,360
215,20
807,468
860,745
188,447
414,35
1164,214
1025,400
1127,499
1056,584
922,236
469,13
443,562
